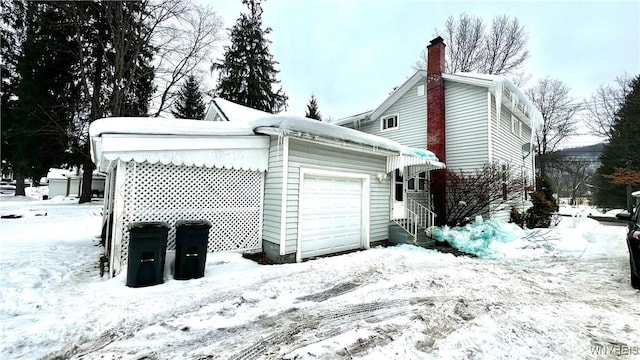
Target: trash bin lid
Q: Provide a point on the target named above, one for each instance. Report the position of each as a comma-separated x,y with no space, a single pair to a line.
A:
193,223
148,225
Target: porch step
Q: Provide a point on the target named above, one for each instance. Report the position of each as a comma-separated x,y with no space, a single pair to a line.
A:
398,236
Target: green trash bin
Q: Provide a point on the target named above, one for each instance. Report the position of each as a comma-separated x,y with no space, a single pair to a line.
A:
147,253
192,238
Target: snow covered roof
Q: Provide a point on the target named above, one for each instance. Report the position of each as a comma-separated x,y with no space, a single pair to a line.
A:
162,126
353,118
55,173
500,86
231,145
289,124
237,144
230,111
63,174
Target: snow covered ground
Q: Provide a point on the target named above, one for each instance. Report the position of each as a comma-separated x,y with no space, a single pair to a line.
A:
560,294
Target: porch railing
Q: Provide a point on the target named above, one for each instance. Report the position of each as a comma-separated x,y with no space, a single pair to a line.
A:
426,218
418,217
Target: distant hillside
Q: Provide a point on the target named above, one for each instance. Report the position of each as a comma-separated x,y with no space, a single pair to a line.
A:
590,152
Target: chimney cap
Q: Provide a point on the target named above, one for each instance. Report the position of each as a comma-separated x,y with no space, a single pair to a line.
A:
438,40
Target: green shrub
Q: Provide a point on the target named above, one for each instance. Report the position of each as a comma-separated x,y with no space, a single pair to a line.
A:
541,213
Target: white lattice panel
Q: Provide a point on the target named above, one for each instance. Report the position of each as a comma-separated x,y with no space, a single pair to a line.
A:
229,199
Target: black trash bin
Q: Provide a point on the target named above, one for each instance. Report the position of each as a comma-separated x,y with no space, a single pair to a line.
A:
191,249
147,253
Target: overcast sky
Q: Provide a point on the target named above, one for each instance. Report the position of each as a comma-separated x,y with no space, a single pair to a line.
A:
351,53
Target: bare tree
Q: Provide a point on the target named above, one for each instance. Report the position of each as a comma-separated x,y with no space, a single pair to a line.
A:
505,46
601,108
473,47
175,34
570,174
185,45
551,97
472,193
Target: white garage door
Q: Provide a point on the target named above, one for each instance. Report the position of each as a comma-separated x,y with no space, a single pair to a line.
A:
331,215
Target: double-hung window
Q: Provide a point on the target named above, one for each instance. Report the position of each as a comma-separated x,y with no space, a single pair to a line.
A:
389,122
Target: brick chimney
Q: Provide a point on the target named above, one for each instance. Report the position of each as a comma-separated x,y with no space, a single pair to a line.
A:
436,123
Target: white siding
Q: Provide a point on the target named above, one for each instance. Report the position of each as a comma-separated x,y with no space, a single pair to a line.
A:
309,155
466,126
273,194
507,146
412,117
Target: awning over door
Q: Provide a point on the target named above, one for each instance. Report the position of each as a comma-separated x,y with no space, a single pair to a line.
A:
402,161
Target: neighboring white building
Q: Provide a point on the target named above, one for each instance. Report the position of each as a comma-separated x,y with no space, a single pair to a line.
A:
67,182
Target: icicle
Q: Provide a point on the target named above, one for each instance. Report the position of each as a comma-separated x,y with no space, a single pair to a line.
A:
280,142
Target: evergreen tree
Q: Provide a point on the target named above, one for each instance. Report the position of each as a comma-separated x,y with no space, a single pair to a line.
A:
189,104
622,152
247,74
12,25
312,109
47,95
79,61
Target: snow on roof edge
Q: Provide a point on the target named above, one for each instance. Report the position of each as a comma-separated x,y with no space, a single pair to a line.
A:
236,112
496,83
164,126
353,118
283,123
291,123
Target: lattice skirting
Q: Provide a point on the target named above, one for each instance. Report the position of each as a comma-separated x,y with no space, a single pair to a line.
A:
230,199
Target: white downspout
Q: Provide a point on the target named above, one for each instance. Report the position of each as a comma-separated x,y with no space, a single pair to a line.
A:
533,152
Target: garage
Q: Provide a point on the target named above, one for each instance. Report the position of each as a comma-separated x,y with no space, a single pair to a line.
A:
331,213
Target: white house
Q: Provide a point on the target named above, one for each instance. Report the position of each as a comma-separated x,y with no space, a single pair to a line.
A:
465,119
292,187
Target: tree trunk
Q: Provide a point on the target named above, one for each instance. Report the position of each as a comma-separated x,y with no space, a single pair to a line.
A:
87,178
96,111
19,184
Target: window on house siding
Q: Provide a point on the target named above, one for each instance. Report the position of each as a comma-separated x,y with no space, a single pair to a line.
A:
514,124
389,122
399,185
520,130
422,181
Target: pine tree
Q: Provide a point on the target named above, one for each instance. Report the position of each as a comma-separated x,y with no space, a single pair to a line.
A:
312,109
247,74
189,104
622,153
12,16
47,95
